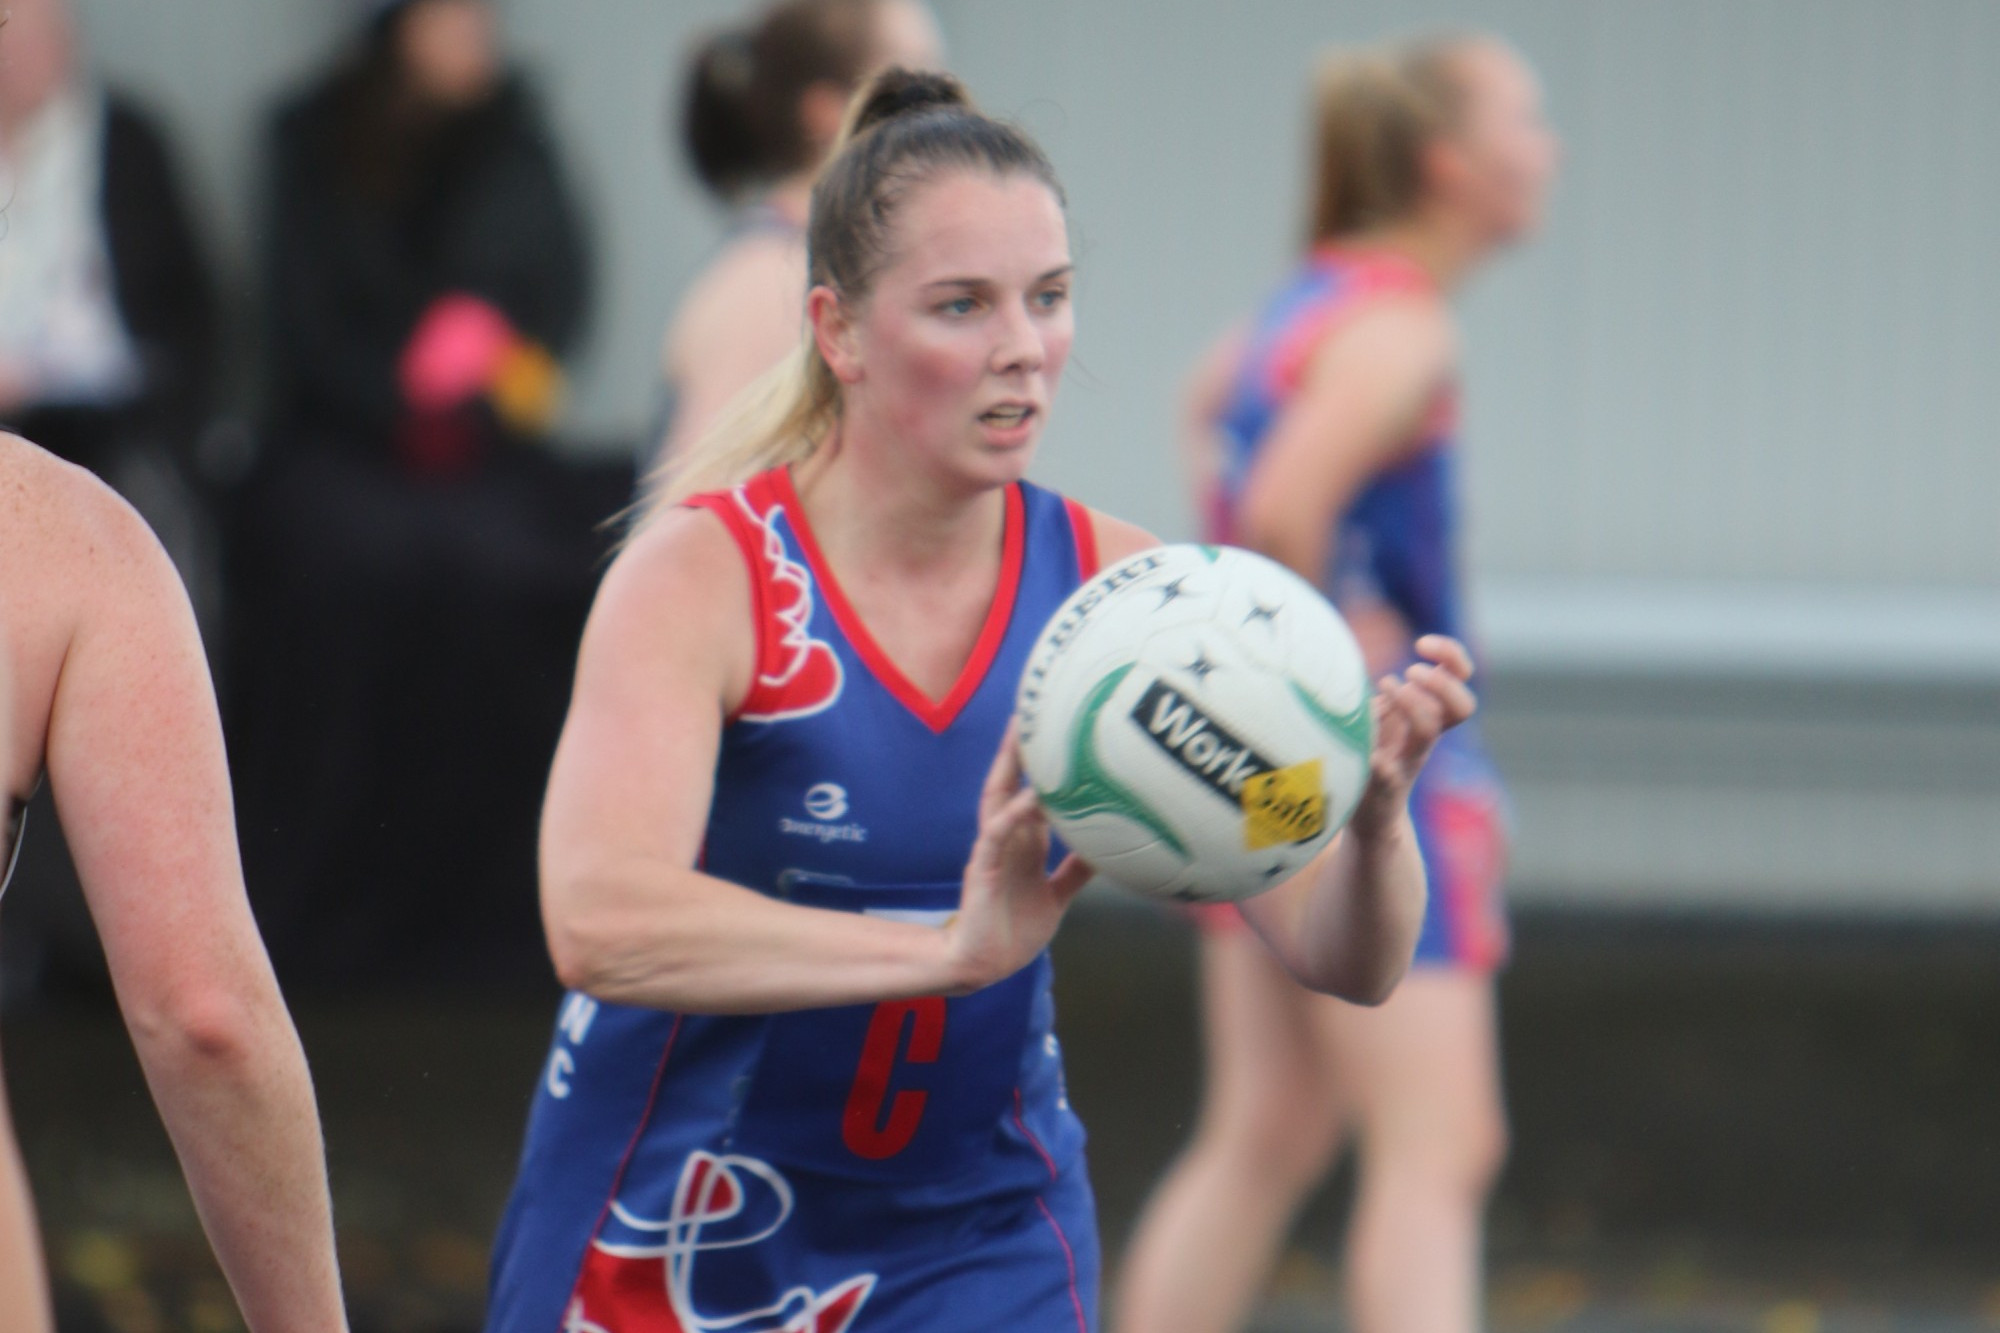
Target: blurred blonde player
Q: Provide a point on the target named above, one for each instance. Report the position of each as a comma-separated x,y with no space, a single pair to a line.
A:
762,107
1329,429
110,700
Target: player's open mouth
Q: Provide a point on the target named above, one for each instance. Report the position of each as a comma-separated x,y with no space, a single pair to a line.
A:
1008,417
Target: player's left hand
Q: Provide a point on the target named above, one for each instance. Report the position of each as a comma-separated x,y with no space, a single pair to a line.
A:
1010,904
1411,712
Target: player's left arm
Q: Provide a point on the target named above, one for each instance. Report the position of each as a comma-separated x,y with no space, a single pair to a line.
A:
134,757
1348,923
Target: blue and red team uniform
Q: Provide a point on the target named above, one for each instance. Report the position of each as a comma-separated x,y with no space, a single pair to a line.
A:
1396,547
886,1168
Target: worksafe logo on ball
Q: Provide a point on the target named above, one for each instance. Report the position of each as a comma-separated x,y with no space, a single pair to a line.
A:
825,802
1280,805
639,1276
1197,742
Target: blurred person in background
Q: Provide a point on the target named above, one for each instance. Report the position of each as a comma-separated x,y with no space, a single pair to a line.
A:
1324,436
104,691
425,271
762,106
107,314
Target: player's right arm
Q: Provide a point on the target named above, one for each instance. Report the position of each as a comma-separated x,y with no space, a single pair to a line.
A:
667,656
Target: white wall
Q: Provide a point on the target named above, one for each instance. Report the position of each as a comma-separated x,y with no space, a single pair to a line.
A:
1752,345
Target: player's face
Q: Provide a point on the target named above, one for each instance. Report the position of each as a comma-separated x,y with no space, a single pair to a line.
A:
957,351
1507,152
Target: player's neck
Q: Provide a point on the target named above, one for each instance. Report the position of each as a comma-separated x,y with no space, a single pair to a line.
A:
1435,242
896,519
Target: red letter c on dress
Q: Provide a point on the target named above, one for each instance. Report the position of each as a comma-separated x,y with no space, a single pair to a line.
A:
863,1127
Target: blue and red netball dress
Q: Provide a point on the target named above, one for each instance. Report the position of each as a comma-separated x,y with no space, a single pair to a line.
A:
888,1168
1397,545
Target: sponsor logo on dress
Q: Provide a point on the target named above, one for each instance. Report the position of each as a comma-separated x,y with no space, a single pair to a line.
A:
826,802
639,1275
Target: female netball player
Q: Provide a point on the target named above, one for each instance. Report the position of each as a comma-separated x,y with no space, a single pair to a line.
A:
806,1077
1336,416
110,701
762,107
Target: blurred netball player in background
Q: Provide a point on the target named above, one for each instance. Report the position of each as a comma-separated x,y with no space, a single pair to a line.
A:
110,699
762,108
1327,430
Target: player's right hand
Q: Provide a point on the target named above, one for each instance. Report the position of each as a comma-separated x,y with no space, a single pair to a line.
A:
1010,905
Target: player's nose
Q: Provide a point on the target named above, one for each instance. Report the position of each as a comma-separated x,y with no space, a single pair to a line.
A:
1018,347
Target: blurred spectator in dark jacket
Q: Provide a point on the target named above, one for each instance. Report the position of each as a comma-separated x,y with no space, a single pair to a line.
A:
425,263
107,316
411,598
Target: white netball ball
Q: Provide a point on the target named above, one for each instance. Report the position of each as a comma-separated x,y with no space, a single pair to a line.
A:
1197,722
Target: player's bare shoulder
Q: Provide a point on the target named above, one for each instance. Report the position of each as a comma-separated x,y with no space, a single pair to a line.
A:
1409,335
684,552
679,593
79,571
67,537
1116,539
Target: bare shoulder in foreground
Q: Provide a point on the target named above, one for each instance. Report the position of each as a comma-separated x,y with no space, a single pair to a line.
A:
112,699
70,549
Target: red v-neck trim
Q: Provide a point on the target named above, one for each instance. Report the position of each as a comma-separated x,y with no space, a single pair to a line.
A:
936,714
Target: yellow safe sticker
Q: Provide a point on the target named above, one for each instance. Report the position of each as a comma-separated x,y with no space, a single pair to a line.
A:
1284,805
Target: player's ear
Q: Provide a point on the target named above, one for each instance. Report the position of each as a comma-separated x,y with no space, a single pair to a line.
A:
1447,166
833,333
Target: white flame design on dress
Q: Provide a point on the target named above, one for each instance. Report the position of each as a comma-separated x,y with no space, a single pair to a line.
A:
792,607
712,1190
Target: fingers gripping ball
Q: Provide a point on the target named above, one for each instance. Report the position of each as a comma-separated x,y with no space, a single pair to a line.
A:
1197,722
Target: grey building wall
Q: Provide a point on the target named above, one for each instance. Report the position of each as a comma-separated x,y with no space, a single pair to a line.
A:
1749,370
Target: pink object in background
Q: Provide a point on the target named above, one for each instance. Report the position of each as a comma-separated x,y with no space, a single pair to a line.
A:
454,352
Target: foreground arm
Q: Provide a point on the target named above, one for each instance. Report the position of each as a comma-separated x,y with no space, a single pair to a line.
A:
1348,923
24,1295
631,920
134,756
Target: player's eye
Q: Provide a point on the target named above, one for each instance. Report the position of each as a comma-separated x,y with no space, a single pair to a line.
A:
1051,298
958,305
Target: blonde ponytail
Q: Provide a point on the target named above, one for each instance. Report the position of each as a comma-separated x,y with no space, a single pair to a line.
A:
781,417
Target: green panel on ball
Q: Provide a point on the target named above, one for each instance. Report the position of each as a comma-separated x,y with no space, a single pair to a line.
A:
1355,730
1093,791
